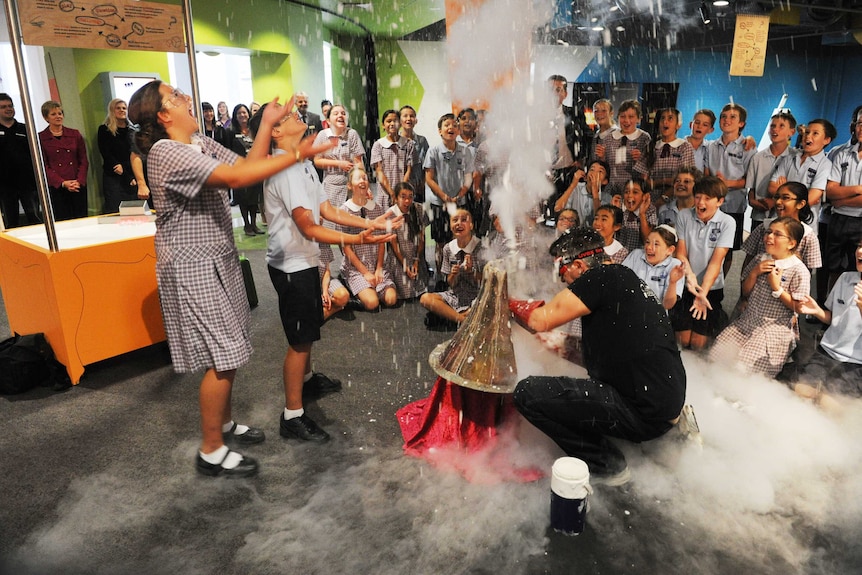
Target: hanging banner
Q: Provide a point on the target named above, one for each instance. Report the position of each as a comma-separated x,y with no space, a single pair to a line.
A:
749,45
124,25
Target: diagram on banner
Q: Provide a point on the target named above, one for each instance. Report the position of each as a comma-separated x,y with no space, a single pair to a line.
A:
128,25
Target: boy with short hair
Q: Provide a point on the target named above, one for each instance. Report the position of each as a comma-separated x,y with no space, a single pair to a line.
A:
705,238
701,126
844,191
448,176
812,167
586,193
683,195
763,166
639,215
728,160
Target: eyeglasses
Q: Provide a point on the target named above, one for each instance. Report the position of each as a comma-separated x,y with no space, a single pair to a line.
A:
568,218
777,234
177,98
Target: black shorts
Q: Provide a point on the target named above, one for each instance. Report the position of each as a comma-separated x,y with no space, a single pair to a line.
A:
299,304
440,231
716,318
841,240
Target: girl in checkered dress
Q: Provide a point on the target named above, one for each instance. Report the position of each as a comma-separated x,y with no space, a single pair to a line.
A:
764,335
201,291
333,292
364,265
407,249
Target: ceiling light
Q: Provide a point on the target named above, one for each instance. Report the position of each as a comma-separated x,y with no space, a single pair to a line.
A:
720,3
704,13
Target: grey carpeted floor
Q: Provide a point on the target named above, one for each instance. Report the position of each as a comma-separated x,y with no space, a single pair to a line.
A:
100,480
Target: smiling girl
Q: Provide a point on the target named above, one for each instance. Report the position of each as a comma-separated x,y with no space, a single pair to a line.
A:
763,336
197,265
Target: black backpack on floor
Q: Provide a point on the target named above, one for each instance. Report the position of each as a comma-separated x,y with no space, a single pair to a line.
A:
27,361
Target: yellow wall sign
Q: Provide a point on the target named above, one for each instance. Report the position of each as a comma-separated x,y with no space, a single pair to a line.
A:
123,25
749,45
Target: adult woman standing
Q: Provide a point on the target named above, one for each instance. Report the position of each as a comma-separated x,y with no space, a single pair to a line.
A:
115,145
197,265
66,164
223,117
337,161
210,126
248,199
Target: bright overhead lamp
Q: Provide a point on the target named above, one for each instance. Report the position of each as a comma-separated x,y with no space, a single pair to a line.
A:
720,3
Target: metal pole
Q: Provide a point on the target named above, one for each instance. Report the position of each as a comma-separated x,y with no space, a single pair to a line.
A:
193,64
32,136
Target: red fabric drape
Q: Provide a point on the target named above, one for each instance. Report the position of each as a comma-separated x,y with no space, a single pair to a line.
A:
466,430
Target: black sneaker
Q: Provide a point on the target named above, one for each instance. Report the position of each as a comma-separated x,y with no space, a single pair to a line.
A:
319,385
302,427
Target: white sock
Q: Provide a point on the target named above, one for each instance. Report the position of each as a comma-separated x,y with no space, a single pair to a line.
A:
293,413
240,429
307,377
216,456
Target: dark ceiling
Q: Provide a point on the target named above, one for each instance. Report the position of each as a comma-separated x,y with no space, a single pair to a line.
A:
816,27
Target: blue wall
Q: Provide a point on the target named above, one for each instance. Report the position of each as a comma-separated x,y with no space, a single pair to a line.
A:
816,87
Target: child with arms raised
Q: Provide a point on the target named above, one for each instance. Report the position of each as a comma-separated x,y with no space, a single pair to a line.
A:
705,236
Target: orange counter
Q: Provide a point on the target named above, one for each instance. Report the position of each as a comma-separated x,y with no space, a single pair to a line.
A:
94,299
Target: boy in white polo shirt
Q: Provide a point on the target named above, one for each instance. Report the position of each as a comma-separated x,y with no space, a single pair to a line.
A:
812,167
728,160
705,238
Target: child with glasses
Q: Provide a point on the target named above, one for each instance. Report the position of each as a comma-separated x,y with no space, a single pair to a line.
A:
762,338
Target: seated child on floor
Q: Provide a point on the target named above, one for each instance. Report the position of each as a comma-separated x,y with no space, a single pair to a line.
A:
836,366
363,265
335,295
462,265
408,246
765,333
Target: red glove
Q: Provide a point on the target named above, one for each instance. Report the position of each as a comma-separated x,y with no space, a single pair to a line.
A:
522,309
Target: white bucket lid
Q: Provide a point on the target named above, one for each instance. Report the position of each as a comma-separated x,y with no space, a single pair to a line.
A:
570,478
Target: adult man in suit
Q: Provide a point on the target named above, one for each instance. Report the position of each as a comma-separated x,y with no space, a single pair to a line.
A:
310,119
571,147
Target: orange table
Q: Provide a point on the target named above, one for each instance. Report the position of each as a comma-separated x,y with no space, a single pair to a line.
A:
94,299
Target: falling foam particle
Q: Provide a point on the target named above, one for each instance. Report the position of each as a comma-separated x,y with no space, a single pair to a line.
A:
814,84
627,512
372,420
362,327
395,81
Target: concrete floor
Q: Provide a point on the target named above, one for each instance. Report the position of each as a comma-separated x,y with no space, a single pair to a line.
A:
100,479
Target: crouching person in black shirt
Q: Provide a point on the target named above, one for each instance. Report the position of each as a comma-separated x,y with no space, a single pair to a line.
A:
636,380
